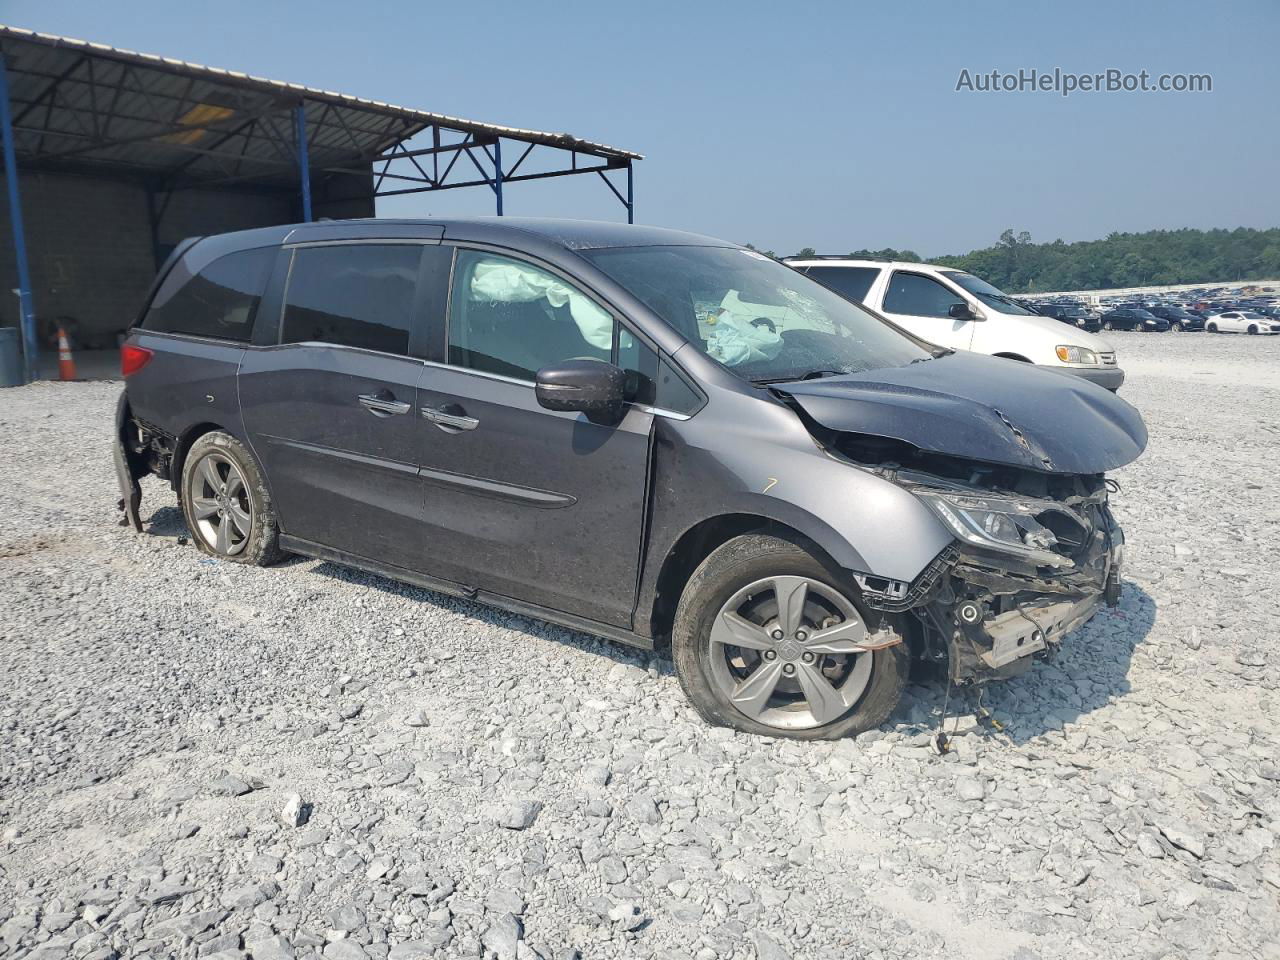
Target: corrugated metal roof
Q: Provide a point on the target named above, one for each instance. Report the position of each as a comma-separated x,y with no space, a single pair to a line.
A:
77,103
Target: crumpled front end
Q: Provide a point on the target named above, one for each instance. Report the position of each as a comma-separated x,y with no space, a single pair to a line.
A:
996,614
1035,557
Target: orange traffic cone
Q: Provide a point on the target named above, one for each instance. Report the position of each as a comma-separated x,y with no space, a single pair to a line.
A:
66,365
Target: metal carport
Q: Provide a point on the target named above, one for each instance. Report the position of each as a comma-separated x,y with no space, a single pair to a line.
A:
169,149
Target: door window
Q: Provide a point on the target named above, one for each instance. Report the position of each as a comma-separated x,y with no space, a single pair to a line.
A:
355,295
512,318
916,295
219,301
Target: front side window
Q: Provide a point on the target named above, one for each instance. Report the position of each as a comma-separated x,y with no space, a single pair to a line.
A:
915,295
354,295
220,301
511,318
762,320
851,282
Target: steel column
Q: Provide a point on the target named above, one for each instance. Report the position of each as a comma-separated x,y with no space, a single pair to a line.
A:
25,307
631,194
497,172
304,167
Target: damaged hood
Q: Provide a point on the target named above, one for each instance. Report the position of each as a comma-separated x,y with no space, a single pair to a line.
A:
981,408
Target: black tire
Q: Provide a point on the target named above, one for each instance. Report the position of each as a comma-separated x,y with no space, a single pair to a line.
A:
1176,328
736,564
261,545
1211,328
1253,330
1107,325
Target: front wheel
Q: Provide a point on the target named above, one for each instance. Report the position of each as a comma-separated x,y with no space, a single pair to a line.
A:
769,641
226,503
1177,328
1107,325
1253,329
1211,328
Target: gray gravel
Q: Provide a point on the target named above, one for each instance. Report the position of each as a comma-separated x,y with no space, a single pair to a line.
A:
203,760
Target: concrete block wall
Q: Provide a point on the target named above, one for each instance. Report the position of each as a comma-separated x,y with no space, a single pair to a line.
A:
92,253
89,247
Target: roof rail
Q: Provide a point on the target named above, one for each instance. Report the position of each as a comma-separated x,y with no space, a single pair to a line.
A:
838,256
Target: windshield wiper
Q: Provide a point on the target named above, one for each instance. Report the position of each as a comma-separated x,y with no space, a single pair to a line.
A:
934,355
809,375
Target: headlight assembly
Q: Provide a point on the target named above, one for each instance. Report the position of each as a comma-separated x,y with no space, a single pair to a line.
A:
1070,354
1007,524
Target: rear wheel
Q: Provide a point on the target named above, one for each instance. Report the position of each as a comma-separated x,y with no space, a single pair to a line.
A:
769,641
226,503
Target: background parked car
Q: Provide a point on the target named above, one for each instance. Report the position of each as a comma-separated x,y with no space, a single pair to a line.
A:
1179,320
1132,318
1242,321
1072,314
957,310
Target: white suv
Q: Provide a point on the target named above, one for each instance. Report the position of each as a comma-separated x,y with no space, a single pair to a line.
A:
956,309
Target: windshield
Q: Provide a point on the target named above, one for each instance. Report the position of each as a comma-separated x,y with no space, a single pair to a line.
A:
987,293
762,320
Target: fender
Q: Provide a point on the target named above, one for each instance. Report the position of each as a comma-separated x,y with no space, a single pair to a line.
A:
864,523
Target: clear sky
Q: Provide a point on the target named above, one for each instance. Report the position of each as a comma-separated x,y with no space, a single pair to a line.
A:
833,125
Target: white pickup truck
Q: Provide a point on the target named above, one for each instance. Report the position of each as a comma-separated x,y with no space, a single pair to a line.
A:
956,309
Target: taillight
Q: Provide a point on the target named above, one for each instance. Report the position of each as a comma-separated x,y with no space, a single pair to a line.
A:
133,359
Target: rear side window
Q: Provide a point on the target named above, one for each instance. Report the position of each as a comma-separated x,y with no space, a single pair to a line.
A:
220,301
850,282
355,295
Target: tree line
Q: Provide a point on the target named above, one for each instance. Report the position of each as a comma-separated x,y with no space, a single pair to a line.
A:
1016,264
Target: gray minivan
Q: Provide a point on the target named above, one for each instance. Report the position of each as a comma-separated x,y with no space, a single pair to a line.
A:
642,434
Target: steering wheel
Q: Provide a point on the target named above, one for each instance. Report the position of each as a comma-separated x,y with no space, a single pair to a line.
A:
765,322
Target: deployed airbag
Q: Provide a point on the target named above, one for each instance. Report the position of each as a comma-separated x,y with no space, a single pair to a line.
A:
507,282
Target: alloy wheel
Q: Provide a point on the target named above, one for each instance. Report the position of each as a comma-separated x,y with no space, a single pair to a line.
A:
790,652
220,504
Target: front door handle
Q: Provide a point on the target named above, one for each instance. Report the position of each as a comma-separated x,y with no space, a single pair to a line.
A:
382,404
450,418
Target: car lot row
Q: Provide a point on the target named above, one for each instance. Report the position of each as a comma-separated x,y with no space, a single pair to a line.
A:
1189,313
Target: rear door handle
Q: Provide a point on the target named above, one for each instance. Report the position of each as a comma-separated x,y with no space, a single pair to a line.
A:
450,420
382,405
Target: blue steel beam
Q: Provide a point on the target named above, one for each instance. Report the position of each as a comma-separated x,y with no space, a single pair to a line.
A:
25,307
497,172
631,193
304,166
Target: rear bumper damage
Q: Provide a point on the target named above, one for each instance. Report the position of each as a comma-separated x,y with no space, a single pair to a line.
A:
130,465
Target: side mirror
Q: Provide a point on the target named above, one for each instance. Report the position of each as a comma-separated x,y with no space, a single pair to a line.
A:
962,311
593,387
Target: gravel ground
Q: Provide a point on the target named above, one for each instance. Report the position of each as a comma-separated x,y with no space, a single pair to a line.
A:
199,759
